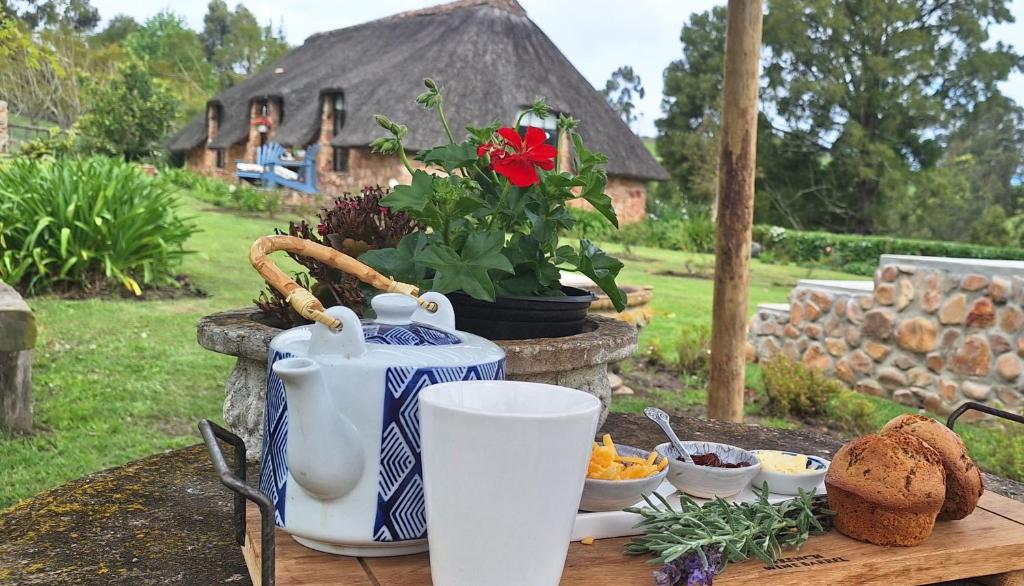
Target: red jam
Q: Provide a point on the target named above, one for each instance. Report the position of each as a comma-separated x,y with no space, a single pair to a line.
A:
713,461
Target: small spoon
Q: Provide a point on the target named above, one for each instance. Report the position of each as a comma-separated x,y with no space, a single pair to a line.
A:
661,418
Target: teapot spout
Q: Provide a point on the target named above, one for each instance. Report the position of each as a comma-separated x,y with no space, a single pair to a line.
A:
325,449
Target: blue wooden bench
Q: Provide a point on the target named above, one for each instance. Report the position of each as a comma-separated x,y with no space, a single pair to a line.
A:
265,157
305,169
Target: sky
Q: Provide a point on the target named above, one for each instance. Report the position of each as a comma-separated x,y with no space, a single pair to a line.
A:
597,36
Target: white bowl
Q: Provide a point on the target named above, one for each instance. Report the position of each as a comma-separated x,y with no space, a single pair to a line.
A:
615,495
706,481
791,484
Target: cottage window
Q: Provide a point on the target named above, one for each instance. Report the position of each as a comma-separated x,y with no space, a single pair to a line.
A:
549,125
340,160
220,158
338,112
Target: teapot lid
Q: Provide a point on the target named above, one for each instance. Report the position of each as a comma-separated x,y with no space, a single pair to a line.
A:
394,325
411,334
406,332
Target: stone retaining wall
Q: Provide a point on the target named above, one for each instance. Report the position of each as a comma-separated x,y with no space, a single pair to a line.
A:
928,332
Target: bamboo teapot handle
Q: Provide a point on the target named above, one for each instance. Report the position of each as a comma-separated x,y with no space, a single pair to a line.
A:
304,302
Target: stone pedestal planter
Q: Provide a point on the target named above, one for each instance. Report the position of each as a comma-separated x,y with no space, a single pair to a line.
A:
579,361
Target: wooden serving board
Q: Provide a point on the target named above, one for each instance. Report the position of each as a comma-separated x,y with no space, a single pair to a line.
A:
989,544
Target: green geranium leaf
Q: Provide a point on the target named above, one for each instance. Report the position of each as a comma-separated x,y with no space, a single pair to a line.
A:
565,254
562,181
485,133
521,285
413,197
399,263
450,156
484,249
602,269
468,271
534,274
594,193
586,160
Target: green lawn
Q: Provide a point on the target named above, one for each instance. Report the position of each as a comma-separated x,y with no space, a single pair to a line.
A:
115,380
681,302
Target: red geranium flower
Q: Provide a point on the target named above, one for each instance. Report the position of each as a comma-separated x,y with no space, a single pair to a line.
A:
518,158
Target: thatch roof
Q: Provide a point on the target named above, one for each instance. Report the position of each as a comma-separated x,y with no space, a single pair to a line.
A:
491,60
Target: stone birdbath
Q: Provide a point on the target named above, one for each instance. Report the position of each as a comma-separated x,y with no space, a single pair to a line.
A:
579,361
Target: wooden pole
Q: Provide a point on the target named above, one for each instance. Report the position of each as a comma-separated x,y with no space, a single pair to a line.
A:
736,167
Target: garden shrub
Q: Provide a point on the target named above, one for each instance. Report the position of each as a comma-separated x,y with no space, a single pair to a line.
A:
1003,452
590,224
795,389
653,355
693,351
241,196
129,114
859,254
691,234
86,224
57,143
851,412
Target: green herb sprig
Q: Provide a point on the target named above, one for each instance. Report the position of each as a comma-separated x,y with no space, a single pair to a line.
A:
739,530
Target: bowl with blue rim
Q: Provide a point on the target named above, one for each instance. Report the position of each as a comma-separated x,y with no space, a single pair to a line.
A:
791,482
736,468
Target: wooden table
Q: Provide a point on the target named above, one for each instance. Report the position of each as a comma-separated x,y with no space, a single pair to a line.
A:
166,519
984,544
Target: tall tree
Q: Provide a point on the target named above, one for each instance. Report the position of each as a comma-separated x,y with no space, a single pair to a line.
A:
174,53
116,31
991,139
622,90
861,99
216,24
688,133
236,44
42,75
78,15
868,82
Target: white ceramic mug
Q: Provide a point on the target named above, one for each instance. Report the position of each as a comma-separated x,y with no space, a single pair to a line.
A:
503,468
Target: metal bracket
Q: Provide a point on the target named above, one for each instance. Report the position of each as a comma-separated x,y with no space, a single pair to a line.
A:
972,406
236,482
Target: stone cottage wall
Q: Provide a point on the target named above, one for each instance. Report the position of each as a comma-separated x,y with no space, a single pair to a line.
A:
928,332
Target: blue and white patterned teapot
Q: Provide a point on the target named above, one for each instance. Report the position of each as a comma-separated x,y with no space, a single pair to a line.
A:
341,450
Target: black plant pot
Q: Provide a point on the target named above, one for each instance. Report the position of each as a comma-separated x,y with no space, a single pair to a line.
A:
520,318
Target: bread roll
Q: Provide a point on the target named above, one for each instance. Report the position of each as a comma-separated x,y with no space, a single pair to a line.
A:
963,479
886,489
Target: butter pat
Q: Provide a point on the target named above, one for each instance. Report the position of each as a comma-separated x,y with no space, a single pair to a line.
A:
773,461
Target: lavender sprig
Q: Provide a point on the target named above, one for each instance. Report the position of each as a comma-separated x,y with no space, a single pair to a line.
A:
693,569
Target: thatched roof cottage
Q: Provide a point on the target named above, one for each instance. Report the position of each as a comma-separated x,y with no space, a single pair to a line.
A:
491,59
